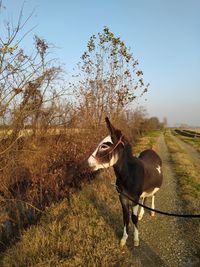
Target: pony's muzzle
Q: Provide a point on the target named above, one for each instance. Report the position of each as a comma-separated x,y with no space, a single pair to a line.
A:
92,162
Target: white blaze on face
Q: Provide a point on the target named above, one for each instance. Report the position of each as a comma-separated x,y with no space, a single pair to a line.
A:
93,159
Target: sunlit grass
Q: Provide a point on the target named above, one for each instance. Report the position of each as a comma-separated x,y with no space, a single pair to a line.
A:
77,233
148,141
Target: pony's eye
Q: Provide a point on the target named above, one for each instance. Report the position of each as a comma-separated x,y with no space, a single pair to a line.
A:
103,147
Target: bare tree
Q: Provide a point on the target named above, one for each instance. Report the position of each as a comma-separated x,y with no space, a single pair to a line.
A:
109,77
26,81
30,89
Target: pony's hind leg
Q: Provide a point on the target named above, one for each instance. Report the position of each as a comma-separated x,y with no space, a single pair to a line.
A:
153,205
141,212
135,221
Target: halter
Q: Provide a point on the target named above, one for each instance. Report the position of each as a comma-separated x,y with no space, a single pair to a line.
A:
116,145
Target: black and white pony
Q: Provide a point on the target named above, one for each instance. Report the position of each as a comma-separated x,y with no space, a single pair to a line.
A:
136,177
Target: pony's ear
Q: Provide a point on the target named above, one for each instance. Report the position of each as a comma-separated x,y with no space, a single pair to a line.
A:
111,129
114,133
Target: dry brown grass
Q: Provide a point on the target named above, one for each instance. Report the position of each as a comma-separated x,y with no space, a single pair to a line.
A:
43,170
78,232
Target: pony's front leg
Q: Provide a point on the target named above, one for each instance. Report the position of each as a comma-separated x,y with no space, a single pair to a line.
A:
125,208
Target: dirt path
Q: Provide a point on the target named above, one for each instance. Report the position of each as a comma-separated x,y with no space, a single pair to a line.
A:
163,240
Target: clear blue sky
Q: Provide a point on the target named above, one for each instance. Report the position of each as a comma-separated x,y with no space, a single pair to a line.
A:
164,35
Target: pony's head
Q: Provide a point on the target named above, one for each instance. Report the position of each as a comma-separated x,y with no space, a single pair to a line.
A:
107,152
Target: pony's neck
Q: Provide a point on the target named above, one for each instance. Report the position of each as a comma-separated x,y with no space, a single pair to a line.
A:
121,166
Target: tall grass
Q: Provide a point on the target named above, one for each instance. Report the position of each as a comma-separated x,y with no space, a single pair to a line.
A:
41,171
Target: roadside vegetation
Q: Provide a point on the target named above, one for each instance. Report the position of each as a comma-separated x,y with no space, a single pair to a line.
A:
80,231
188,177
148,140
187,174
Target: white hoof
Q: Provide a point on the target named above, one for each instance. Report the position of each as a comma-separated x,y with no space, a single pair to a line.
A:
124,238
122,242
136,243
140,216
153,213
